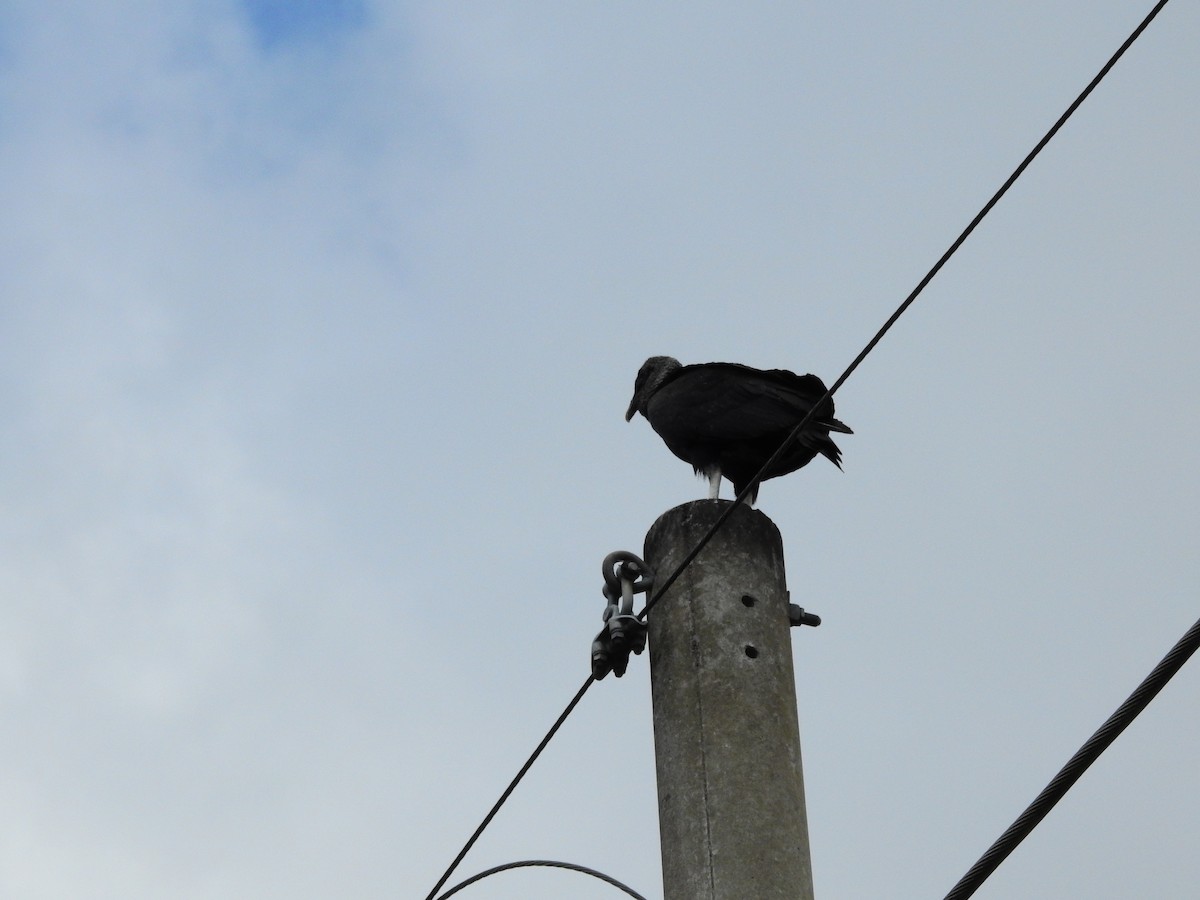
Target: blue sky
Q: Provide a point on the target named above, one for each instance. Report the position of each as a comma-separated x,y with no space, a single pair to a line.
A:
278,22
316,337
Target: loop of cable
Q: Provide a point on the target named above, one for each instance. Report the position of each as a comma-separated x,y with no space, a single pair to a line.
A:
549,863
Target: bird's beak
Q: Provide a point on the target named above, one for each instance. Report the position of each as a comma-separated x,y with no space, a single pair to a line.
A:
632,409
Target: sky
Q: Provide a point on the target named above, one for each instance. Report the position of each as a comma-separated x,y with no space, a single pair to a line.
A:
317,325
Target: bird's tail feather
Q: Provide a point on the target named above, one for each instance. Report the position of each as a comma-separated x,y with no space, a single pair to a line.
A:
831,452
822,444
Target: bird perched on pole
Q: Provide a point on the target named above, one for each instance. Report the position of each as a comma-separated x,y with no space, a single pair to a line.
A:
728,419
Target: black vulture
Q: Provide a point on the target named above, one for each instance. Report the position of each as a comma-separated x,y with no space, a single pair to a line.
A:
728,419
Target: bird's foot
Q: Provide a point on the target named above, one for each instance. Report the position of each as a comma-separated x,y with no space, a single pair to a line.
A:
714,485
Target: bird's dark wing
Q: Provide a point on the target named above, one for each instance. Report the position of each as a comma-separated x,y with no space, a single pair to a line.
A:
726,402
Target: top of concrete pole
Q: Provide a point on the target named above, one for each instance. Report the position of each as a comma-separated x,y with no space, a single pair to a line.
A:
745,525
727,743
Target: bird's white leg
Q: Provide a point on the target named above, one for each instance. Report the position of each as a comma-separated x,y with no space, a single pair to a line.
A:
714,483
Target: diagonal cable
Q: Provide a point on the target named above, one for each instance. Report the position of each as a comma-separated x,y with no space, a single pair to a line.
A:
744,493
512,785
900,310
1077,765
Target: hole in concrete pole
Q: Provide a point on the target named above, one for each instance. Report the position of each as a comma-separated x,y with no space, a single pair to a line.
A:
747,600
752,651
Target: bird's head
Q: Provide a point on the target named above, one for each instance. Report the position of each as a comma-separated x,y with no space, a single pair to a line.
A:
650,378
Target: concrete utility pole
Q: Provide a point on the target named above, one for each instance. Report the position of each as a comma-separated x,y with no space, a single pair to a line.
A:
726,737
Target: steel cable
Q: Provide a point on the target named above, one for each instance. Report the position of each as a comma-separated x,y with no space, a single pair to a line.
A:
1077,765
661,589
550,863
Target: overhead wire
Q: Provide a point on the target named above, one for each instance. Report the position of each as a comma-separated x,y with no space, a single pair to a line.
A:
512,785
1077,765
661,589
900,310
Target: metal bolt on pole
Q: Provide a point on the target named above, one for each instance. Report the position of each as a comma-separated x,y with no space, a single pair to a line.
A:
727,742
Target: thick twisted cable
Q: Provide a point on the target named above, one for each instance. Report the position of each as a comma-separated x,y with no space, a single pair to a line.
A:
1078,764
